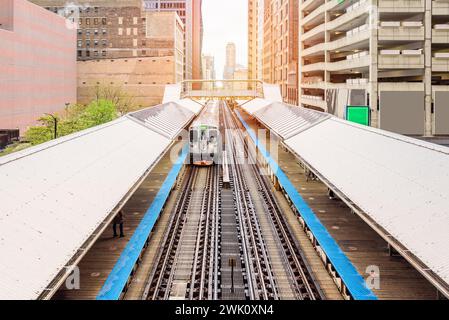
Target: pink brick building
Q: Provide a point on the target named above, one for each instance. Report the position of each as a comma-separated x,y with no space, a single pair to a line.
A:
37,63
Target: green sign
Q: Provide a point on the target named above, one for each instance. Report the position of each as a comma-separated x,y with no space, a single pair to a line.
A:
358,114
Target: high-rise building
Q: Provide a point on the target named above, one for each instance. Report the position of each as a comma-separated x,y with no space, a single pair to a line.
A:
230,65
240,73
107,29
280,46
190,12
260,38
208,67
253,28
197,39
255,38
37,63
143,79
120,45
267,56
389,55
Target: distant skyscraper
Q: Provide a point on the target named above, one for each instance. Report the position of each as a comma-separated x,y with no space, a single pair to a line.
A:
191,15
240,73
208,67
229,68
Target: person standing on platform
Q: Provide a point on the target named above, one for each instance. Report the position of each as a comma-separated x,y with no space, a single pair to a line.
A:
118,220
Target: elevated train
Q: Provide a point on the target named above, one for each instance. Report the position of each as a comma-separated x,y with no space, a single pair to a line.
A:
204,136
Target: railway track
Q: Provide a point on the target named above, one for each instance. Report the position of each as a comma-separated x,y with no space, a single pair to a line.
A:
229,243
185,264
285,271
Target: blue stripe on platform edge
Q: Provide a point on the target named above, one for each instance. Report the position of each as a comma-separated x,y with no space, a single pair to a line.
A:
348,273
117,279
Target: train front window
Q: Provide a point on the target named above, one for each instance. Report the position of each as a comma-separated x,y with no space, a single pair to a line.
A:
193,135
213,136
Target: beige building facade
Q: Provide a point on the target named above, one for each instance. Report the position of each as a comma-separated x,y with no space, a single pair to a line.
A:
122,46
231,62
280,46
255,39
253,32
190,12
144,78
106,29
392,56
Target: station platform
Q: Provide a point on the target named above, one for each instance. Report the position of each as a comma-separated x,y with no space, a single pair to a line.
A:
99,262
360,244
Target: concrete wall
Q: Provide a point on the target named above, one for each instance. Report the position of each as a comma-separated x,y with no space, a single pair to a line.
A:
142,78
441,113
402,112
37,64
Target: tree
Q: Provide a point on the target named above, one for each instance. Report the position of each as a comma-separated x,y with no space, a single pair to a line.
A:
77,118
42,133
123,101
98,112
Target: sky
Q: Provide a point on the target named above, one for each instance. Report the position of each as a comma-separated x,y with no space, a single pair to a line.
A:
225,21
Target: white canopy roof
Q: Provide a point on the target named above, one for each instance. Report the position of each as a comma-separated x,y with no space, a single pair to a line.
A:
255,105
54,196
287,120
191,105
167,119
400,183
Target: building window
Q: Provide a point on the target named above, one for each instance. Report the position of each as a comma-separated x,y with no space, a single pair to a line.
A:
96,32
87,53
87,43
103,53
104,42
80,43
88,21
103,21
80,53
95,21
104,31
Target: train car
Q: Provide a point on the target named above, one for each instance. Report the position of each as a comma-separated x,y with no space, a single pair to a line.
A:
204,136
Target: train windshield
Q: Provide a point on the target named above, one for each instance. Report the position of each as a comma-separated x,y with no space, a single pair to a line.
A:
203,133
213,136
193,135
